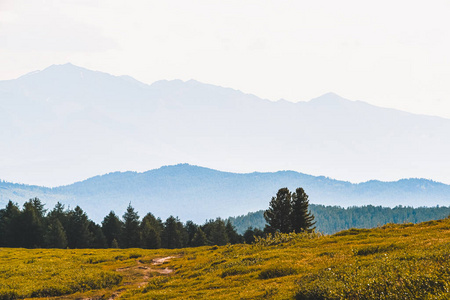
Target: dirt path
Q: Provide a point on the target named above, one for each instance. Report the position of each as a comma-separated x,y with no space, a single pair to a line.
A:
146,270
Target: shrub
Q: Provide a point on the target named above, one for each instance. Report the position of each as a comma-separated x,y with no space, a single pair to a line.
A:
235,271
277,271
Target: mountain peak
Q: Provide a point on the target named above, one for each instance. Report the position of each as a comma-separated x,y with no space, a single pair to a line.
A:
329,99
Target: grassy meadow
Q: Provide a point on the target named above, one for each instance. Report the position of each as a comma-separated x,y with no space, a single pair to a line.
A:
395,261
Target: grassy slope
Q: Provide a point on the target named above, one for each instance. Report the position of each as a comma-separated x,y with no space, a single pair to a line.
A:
403,261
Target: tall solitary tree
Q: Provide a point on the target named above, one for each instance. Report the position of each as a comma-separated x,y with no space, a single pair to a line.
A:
301,217
279,211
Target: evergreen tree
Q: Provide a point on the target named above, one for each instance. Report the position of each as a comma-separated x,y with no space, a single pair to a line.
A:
172,236
9,225
55,236
199,238
31,224
150,236
216,232
59,213
233,236
301,218
279,211
130,229
39,207
156,223
78,233
98,238
191,229
112,228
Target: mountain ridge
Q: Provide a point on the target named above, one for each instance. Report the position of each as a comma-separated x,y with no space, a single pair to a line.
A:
199,193
67,128
323,99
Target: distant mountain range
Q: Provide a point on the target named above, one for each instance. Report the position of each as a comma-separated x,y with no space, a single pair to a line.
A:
197,193
66,123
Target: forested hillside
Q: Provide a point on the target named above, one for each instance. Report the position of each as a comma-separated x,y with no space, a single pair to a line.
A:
331,219
197,193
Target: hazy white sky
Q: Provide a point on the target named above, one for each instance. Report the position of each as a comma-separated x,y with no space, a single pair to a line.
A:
388,53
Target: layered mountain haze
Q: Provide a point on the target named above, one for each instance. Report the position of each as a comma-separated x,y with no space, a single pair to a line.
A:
197,193
67,123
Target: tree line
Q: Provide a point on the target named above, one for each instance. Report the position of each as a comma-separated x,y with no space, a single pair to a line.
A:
35,227
331,219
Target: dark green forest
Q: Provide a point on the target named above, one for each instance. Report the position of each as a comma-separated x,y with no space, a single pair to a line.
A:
331,219
35,227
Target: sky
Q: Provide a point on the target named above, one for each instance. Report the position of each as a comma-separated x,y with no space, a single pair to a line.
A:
388,53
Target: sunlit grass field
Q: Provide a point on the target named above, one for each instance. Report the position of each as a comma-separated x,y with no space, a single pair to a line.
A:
403,261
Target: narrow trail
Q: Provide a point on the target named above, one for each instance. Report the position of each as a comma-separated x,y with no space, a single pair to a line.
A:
146,270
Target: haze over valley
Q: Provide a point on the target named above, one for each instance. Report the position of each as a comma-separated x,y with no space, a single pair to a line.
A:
66,123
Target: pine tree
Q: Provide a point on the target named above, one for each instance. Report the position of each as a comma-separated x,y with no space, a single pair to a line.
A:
172,236
199,238
9,225
233,236
60,214
112,228
78,234
55,236
191,229
216,232
130,229
279,211
31,224
98,238
150,236
301,218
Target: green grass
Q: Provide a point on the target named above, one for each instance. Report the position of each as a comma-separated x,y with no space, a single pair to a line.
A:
403,261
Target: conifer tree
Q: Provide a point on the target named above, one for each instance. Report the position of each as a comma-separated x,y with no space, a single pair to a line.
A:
130,229
55,236
112,228
301,217
199,238
31,225
60,214
233,236
191,229
98,238
216,232
78,234
156,223
279,211
172,236
9,225
150,236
